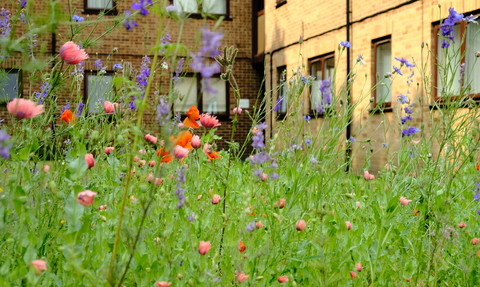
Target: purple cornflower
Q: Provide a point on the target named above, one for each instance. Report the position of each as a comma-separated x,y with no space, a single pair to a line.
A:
405,62
258,139
397,70
178,70
163,111
320,109
478,212
345,44
98,64
251,227
129,23
326,93
384,145
80,109
66,107
308,142
471,19
142,5
259,158
23,3
408,110
410,131
4,23
278,104
477,196
402,99
117,66
142,79
78,18
4,146
406,119
352,140
191,217
313,160
211,43
180,192
44,90
447,27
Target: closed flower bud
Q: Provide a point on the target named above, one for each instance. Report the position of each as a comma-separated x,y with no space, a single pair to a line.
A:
204,247
242,277
348,224
474,241
282,279
89,160
216,199
353,274
301,225
462,224
359,267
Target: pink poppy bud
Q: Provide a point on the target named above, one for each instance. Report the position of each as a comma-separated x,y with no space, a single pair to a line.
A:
142,152
150,177
301,225
415,142
195,141
72,54
158,181
102,207
46,168
404,201
86,197
89,160
237,110
150,138
199,197
109,107
163,284
204,247
353,274
409,279
136,159
259,225
281,203
359,267
39,265
348,224
141,163
216,199
368,176
474,241
151,163
358,204
242,277
207,148
282,279
264,176
109,149
180,152
462,224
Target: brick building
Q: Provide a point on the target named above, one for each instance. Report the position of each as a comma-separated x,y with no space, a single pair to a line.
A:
117,45
305,35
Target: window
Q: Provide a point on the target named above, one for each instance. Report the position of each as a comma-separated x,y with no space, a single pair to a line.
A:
98,88
321,68
96,6
457,70
10,85
190,93
282,100
280,3
382,50
218,7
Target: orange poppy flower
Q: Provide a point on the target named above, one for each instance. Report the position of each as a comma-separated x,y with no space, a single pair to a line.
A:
183,139
213,155
193,114
68,116
415,212
165,155
241,247
478,167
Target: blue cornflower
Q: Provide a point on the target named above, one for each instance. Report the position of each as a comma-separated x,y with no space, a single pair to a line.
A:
190,218
471,19
384,144
23,4
320,109
402,99
397,70
129,23
408,110
98,64
305,79
308,142
258,139
4,146
251,226
78,18
326,93
117,66
406,119
345,44
477,196
447,27
163,111
142,6
405,62
274,175
352,140
278,105
4,23
80,109
409,131
306,118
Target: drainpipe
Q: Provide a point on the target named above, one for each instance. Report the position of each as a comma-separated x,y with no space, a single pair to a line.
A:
348,152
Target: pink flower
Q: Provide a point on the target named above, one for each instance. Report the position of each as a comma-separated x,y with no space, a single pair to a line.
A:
136,159
368,176
301,225
263,177
109,107
415,142
348,224
281,203
39,265
24,109
462,224
109,149
216,199
158,181
282,279
102,207
141,163
358,204
204,247
209,121
150,177
72,54
152,163
259,225
353,274
237,110
142,152
89,160
86,197
151,138
404,201
180,152
359,267
195,141
474,241
163,284
242,277
207,148
46,168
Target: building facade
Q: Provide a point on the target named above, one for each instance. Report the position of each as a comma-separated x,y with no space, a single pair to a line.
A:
303,38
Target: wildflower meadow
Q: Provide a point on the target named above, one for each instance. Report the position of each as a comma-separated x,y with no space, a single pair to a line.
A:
108,200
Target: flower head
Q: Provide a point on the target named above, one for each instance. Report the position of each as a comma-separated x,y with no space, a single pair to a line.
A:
404,201
109,149
77,18
345,44
348,225
237,110
282,279
24,109
151,138
193,114
142,5
209,121
242,277
90,160
86,197
405,62
109,107
39,265
196,143
216,199
72,54
163,284
180,152
301,225
129,23
204,247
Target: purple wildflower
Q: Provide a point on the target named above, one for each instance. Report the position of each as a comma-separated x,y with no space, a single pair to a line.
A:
306,118
477,196
78,18
4,146
44,90
180,192
117,66
405,62
406,119
471,19
320,109
191,217
142,5
211,43
23,3
402,99
447,27
326,93
345,44
129,23
171,8
384,145
80,109
251,227
258,139
278,104
163,111
4,23
410,131
178,70
397,70
98,64
66,107
274,175
352,140
259,158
